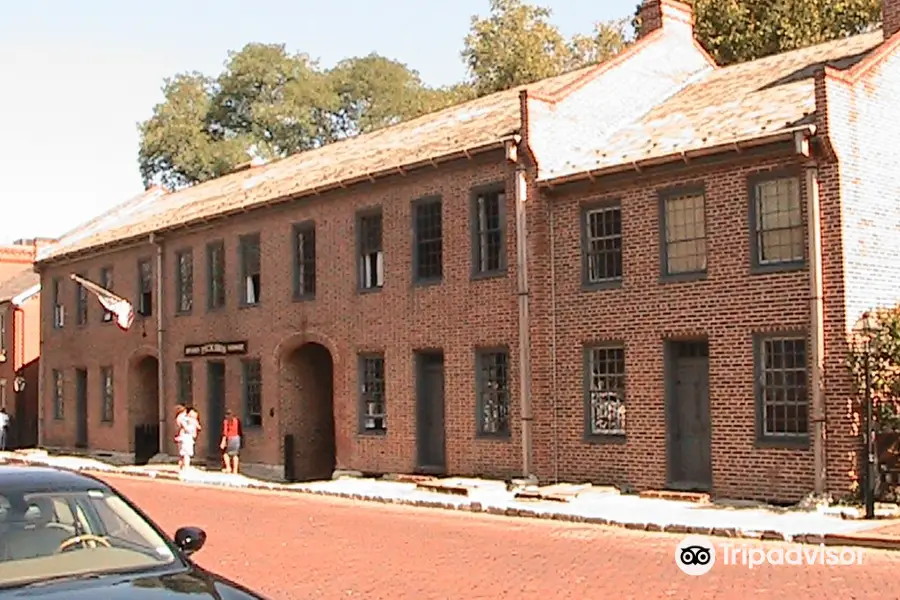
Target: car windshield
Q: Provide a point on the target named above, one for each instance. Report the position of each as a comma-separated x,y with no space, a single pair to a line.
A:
65,534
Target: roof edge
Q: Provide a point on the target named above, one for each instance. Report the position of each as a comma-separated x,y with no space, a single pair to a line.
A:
25,296
636,165
467,153
863,67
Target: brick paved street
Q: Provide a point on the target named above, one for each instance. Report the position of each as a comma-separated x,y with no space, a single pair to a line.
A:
295,546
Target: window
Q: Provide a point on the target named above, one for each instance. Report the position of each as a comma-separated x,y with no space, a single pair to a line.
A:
252,393
304,245
684,231
492,380
605,390
3,332
145,287
251,282
488,229
3,393
81,303
602,245
373,418
370,249
778,222
108,396
58,399
184,284
185,390
215,274
782,388
106,282
59,311
428,248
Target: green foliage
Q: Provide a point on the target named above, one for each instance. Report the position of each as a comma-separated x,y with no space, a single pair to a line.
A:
516,44
735,31
880,347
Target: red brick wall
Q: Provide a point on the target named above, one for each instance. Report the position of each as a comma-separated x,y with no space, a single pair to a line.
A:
14,259
728,307
890,10
456,316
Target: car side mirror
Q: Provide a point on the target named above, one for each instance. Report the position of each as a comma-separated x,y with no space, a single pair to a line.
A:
190,539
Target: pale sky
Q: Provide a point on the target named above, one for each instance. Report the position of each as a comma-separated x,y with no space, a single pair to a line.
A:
77,77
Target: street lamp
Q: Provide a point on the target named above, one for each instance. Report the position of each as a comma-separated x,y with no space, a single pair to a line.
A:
865,328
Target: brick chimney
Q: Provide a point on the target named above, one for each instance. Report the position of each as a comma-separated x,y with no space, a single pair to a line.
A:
670,16
890,17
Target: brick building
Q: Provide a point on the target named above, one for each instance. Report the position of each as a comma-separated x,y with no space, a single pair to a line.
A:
20,338
486,289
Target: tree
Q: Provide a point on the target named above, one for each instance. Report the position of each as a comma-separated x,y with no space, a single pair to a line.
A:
177,148
268,103
516,44
735,31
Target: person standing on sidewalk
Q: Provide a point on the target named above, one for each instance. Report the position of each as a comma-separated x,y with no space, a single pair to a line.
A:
4,428
232,435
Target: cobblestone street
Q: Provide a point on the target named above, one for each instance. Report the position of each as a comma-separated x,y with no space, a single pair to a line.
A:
293,546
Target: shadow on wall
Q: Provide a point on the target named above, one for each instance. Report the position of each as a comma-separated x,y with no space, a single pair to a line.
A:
308,373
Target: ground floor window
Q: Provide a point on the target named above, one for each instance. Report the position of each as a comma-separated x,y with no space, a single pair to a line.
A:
492,380
605,390
781,387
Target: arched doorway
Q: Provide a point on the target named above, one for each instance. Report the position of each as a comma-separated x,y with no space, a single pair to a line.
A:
143,409
308,373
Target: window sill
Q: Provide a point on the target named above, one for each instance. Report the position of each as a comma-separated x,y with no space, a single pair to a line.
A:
428,282
785,267
687,277
482,275
215,309
183,313
770,443
604,439
105,423
492,437
611,284
244,305
371,290
302,298
372,433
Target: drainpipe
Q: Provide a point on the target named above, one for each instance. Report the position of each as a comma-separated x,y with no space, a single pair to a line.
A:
160,363
553,373
817,326
521,196
42,370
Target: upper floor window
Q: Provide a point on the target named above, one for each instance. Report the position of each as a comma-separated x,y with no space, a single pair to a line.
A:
489,232
304,247
145,287
684,230
370,248
59,311
81,303
428,260
602,242
215,274
184,282
778,222
251,275
106,282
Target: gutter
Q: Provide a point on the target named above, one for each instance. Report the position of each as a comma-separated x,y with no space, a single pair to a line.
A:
201,223
25,296
737,145
160,363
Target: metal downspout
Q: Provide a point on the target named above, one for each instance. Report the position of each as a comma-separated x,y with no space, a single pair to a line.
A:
553,372
521,194
160,363
817,326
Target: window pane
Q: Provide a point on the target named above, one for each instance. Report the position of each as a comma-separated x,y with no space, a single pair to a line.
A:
606,391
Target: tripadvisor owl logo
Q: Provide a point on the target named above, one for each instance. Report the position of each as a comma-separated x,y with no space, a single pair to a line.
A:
695,555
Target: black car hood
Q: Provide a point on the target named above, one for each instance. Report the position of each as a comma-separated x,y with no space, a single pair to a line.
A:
193,583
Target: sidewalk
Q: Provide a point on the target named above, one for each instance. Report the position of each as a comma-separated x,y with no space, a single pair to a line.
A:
582,504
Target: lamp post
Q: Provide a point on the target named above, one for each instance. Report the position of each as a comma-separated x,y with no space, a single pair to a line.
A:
866,327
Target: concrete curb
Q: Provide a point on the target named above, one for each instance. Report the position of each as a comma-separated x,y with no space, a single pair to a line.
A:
861,540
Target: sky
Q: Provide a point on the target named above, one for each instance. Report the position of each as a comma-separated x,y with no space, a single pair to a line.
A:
77,78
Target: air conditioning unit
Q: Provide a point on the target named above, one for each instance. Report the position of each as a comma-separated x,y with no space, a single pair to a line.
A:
2,356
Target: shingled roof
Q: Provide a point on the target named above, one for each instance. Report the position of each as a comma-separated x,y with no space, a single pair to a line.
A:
739,102
22,281
468,127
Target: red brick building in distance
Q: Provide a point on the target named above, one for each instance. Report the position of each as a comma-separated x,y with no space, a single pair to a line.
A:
20,332
641,273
